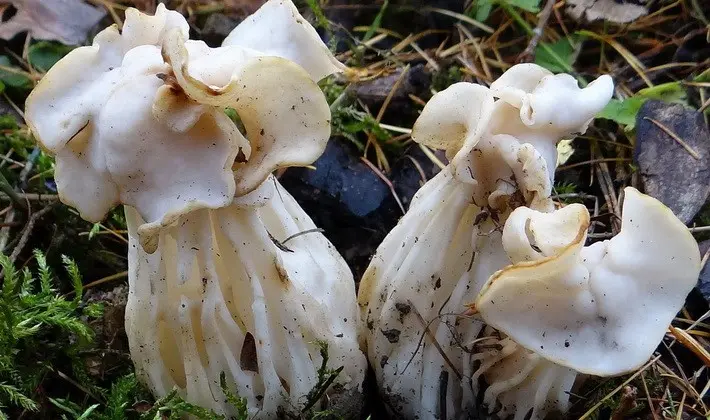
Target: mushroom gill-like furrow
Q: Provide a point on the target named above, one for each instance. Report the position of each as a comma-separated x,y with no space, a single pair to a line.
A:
521,383
197,385
233,279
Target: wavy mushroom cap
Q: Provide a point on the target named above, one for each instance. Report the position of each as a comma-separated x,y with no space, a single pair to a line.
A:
599,310
541,108
510,140
137,118
278,29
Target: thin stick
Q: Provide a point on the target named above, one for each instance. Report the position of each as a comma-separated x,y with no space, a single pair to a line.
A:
432,157
105,280
529,53
31,197
699,229
27,231
648,396
10,192
691,344
295,235
433,340
705,105
386,181
612,201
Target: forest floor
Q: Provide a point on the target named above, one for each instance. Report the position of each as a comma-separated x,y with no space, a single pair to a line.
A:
75,363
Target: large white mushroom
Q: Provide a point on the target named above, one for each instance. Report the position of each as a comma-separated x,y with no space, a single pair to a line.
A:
562,309
226,271
501,146
601,309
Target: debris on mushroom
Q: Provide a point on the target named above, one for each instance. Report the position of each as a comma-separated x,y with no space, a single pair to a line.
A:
501,145
227,273
601,309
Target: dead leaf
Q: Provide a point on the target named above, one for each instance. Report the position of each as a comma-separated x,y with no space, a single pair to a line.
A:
67,21
621,11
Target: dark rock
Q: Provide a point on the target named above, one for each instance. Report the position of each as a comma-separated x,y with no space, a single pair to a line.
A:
217,27
343,177
668,171
350,202
416,81
407,173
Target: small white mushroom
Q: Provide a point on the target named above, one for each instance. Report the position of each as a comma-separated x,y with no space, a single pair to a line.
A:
502,156
601,309
226,272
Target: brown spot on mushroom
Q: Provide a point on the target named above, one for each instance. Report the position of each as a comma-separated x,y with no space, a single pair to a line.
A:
392,335
248,358
404,310
283,274
285,384
170,80
241,157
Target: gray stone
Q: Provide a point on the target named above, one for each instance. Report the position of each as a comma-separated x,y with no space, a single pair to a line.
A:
217,27
668,171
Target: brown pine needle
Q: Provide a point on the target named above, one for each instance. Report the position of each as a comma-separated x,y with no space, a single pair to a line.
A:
675,137
691,344
705,105
589,162
106,279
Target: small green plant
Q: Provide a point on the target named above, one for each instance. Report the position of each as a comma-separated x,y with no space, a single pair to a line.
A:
326,377
37,326
348,122
172,406
126,392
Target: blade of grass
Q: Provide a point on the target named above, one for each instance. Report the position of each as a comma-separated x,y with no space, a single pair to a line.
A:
628,56
461,17
377,22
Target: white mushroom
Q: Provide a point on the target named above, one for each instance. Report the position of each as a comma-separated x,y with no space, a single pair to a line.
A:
601,309
502,155
226,272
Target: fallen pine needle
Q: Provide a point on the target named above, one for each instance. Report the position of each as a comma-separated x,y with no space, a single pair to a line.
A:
105,280
675,137
691,343
432,157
